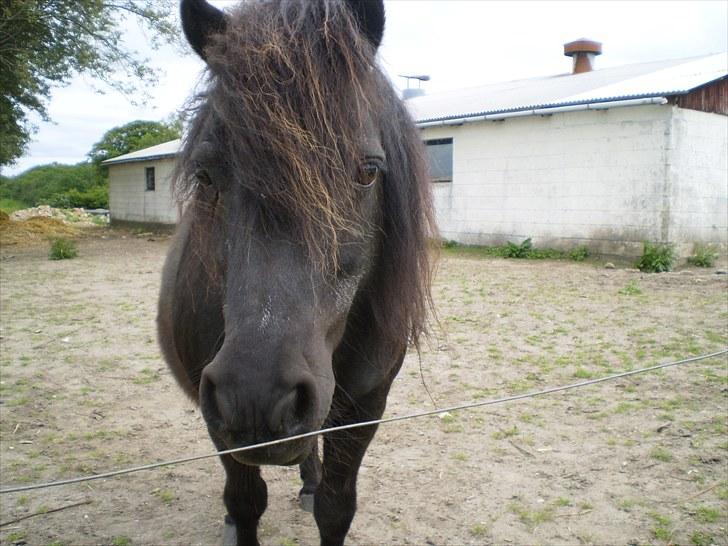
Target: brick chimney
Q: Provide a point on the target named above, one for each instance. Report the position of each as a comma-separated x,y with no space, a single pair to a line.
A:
583,52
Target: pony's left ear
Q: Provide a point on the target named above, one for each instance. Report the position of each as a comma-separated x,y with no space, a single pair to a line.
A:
370,16
199,21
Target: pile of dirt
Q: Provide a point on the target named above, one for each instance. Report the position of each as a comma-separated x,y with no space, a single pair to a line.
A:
35,229
75,216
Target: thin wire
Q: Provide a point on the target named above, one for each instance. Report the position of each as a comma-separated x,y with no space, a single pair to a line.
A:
363,424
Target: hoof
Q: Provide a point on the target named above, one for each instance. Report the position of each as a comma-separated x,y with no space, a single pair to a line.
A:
229,535
306,501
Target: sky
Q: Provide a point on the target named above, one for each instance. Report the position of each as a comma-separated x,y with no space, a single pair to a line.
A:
458,43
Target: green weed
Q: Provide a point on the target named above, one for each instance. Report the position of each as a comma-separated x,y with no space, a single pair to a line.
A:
703,256
657,257
698,538
631,289
146,376
62,249
661,454
165,495
706,514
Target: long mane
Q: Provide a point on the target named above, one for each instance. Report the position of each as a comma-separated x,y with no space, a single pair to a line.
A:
291,86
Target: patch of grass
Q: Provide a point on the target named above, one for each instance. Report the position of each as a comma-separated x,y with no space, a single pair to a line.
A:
706,514
582,373
9,206
703,256
507,433
165,495
62,249
533,518
15,536
479,530
120,541
562,502
523,250
146,376
657,257
288,542
460,456
662,529
661,454
631,289
579,253
698,538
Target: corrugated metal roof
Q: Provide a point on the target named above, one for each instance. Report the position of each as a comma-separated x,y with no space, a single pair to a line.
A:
621,83
654,79
160,151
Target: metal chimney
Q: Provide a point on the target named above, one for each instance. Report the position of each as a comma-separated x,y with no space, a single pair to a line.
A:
583,52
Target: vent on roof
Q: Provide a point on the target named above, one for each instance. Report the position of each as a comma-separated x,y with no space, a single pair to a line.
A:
412,92
583,52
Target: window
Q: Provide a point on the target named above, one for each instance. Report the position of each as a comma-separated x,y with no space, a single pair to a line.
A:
439,157
149,172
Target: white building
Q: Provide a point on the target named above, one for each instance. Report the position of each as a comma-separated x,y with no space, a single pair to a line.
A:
140,185
607,158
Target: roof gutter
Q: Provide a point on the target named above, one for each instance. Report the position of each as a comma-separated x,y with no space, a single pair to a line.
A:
118,161
543,111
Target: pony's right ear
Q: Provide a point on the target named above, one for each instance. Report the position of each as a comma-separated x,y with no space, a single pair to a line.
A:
199,21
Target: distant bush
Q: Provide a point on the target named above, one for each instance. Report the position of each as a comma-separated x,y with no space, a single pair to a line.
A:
703,256
96,197
11,205
657,257
45,184
63,249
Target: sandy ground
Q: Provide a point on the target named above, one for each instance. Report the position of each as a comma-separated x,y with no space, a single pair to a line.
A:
642,460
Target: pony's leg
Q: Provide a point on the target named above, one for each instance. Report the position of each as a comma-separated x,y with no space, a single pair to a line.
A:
335,499
246,497
311,476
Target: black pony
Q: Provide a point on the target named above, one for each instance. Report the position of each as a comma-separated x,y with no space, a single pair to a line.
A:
300,269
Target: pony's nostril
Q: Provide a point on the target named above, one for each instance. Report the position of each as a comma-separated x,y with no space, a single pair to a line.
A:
208,401
304,402
292,410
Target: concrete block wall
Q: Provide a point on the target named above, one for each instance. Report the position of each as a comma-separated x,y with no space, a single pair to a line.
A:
130,202
698,179
595,178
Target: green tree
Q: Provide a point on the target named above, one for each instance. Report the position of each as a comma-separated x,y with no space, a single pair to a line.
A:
132,137
47,184
43,43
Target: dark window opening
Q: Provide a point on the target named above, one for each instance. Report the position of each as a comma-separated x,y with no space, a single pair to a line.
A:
439,158
149,172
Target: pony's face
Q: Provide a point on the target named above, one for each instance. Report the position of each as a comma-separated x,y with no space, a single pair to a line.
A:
286,296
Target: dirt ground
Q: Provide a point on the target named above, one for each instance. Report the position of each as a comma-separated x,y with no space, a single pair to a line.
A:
641,460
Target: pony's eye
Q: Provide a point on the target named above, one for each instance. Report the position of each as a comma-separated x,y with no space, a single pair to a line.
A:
369,174
203,178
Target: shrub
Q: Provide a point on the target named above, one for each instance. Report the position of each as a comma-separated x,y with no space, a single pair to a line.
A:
512,250
657,257
703,256
579,253
63,249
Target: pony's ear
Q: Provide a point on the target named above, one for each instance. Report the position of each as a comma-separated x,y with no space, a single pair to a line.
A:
370,16
199,21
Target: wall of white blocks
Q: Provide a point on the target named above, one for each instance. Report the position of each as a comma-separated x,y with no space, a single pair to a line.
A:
608,179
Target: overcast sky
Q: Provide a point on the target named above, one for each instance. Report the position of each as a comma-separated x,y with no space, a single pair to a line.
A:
458,43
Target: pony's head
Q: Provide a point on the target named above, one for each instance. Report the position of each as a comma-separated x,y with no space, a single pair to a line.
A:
308,209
